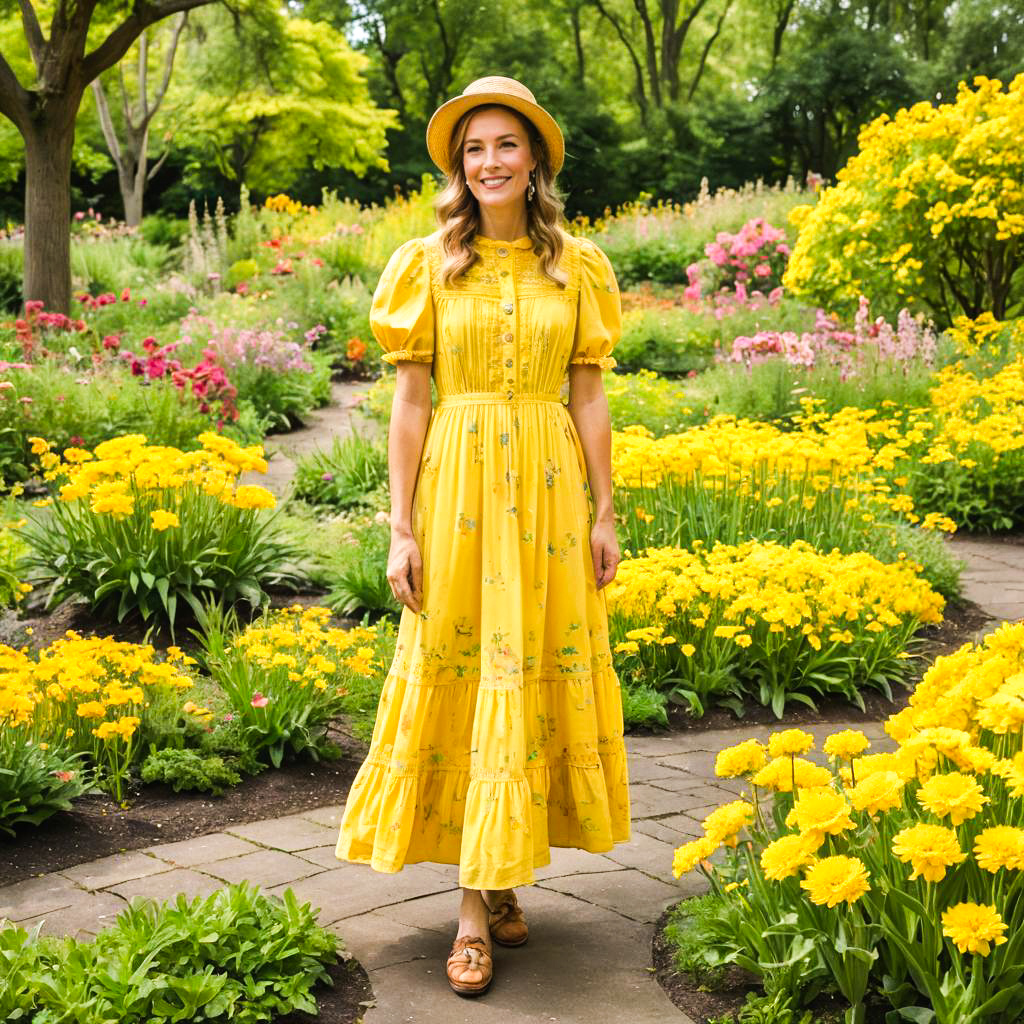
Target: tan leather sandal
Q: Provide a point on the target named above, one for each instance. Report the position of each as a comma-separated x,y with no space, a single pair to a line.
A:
506,922
470,968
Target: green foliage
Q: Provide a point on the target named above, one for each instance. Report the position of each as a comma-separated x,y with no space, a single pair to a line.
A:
644,398
12,268
263,128
36,781
188,769
109,265
236,955
353,474
642,705
686,931
356,571
64,403
658,340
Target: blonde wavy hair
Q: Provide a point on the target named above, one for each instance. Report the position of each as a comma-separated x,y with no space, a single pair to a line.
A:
458,212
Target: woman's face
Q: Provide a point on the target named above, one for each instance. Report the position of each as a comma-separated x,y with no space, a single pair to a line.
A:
496,159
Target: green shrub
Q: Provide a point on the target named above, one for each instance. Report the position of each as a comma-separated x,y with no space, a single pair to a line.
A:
12,271
188,769
658,339
235,955
144,530
644,398
353,474
36,780
643,705
356,571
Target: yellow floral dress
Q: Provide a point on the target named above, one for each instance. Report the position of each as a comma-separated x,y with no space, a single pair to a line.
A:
499,731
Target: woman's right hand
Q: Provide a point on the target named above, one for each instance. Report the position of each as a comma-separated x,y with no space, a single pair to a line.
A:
405,569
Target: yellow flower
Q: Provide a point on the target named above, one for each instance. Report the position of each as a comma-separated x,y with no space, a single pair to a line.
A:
820,812
779,773
689,855
881,791
955,795
163,520
786,856
723,824
974,927
929,849
741,759
832,880
38,446
789,742
92,709
252,496
1000,846
846,745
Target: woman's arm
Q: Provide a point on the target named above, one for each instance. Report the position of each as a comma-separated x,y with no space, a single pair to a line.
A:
410,416
588,407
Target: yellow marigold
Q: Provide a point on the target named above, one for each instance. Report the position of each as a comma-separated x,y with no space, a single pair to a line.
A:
846,745
723,824
38,445
92,709
689,855
785,856
741,759
106,731
954,795
789,742
779,773
832,880
1000,846
974,927
882,791
163,520
929,849
820,812
253,496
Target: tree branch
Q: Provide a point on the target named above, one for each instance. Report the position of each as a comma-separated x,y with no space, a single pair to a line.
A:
33,33
707,49
172,49
15,99
118,43
638,69
107,123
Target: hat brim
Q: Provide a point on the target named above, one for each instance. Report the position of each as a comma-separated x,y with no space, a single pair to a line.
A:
442,124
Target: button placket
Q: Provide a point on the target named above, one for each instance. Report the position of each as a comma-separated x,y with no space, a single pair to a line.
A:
507,290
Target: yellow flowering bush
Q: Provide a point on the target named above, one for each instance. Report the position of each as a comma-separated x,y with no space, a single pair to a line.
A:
771,621
83,698
901,870
144,529
928,213
287,676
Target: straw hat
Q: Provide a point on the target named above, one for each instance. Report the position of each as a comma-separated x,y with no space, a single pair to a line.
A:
494,89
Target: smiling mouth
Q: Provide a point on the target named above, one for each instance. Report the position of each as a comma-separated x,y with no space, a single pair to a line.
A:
493,183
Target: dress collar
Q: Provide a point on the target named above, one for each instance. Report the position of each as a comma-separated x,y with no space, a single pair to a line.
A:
520,243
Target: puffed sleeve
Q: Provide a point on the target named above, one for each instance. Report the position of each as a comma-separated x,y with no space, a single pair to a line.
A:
402,312
599,323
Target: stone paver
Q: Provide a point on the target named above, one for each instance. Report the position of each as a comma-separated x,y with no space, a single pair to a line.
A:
994,577
204,850
291,833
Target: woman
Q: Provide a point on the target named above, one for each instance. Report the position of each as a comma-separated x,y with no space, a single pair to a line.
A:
499,732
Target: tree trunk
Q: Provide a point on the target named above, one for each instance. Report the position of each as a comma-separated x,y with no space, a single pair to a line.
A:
48,145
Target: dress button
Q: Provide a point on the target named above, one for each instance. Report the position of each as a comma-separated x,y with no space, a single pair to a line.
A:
508,362
508,308
509,336
510,395
503,252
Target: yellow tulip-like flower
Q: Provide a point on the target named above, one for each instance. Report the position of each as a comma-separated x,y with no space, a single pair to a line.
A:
834,880
881,791
163,520
784,857
779,774
929,849
789,742
954,795
820,812
723,824
846,745
974,927
689,855
1000,846
741,759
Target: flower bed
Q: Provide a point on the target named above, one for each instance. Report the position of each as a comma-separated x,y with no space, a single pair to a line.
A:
764,620
894,875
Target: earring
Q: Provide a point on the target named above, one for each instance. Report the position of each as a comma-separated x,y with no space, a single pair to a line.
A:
531,190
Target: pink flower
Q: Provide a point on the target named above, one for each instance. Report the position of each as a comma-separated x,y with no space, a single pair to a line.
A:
64,776
762,270
259,701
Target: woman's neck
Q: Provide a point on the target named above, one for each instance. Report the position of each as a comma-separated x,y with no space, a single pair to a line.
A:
504,225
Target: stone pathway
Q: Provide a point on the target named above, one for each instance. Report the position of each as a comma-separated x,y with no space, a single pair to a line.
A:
592,916
994,578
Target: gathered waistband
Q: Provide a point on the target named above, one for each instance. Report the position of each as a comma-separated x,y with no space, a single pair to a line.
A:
497,398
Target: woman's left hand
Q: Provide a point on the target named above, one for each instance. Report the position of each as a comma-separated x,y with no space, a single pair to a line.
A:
604,547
